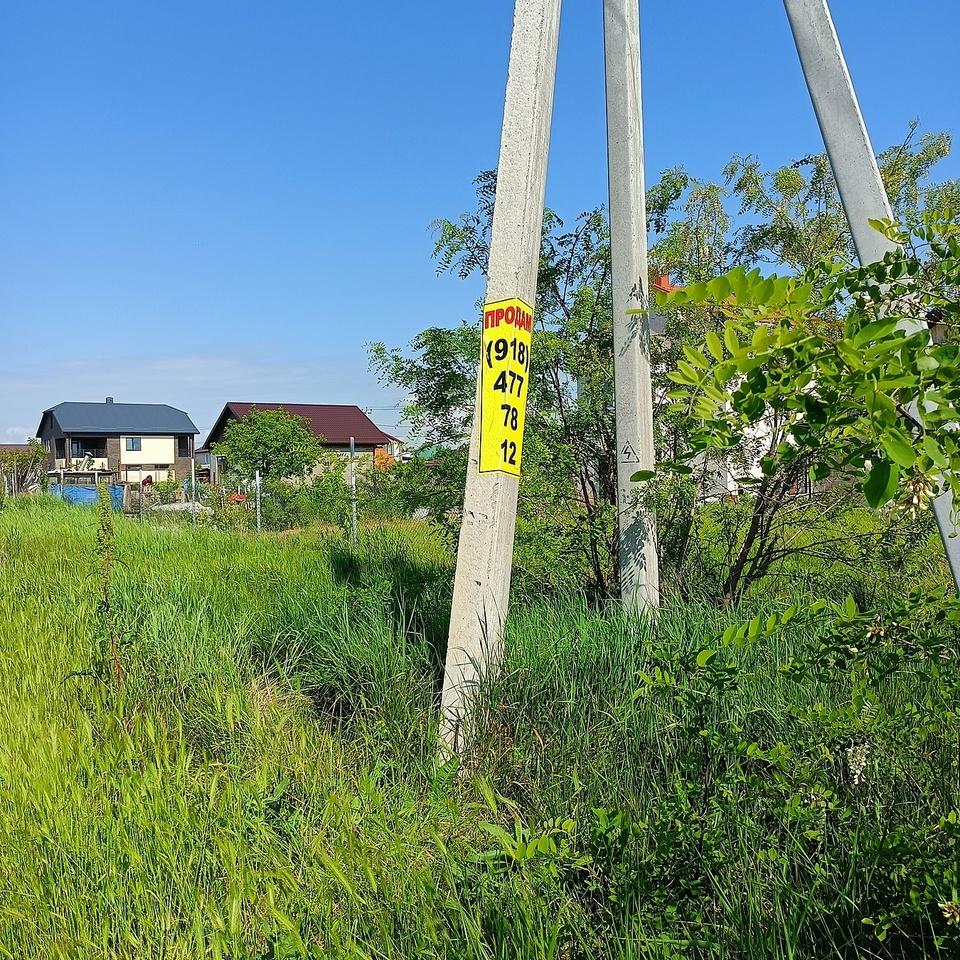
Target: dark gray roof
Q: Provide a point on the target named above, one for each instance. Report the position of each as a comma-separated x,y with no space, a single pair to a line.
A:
110,418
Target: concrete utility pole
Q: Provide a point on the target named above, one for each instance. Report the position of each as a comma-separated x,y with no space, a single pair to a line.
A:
485,554
855,170
639,566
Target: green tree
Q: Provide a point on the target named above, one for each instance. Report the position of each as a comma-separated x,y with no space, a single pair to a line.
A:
875,400
566,517
794,217
790,217
281,446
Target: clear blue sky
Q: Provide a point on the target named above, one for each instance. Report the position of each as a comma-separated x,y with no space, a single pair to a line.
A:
203,201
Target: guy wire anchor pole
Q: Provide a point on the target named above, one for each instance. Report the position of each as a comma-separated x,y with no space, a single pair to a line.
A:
639,565
482,584
855,170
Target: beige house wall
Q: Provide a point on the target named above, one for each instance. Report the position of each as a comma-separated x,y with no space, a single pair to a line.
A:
152,450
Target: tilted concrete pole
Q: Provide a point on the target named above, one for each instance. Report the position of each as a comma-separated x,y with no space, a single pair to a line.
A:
482,584
856,172
639,568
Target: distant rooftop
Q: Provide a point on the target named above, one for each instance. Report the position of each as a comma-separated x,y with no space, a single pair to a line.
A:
110,418
335,422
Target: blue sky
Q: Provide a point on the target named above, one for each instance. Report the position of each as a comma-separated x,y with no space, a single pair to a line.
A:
204,201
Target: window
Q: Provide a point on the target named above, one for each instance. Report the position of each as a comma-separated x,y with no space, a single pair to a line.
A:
133,443
61,448
183,447
81,447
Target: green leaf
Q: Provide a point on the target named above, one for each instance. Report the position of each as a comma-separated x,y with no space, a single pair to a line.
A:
881,483
819,470
932,449
719,289
696,357
730,339
495,830
739,283
873,332
705,657
898,450
642,475
763,293
685,374
761,338
714,345
780,287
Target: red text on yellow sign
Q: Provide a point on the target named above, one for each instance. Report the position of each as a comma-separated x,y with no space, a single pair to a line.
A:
504,383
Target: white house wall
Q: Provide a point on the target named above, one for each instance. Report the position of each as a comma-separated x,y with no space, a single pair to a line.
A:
152,450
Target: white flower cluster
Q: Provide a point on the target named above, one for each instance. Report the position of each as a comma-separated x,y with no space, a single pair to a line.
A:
917,494
857,754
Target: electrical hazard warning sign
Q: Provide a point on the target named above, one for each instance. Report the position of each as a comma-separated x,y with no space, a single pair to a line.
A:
504,382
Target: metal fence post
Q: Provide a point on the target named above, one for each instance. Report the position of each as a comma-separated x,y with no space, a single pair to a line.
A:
353,490
257,482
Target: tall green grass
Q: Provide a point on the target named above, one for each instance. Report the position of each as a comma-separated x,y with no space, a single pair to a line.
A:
263,782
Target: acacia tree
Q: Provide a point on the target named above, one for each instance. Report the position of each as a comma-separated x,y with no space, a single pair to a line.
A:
568,488
868,400
791,217
278,444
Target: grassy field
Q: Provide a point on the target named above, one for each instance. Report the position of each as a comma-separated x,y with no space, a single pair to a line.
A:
253,774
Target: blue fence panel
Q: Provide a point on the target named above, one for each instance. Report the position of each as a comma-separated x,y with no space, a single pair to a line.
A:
86,496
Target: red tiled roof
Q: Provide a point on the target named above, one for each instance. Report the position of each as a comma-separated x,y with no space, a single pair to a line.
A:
15,446
336,423
663,284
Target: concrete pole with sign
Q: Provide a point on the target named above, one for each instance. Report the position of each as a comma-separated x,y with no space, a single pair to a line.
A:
485,554
639,566
855,169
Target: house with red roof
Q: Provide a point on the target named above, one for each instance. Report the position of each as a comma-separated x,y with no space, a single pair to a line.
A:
335,424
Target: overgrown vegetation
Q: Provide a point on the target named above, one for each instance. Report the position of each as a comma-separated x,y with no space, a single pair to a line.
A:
216,744
773,780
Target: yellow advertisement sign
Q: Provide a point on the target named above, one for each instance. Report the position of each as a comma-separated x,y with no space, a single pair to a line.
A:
504,382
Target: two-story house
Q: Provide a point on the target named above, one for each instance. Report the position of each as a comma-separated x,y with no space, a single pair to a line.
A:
129,440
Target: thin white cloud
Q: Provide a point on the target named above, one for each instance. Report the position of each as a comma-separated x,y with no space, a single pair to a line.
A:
198,383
